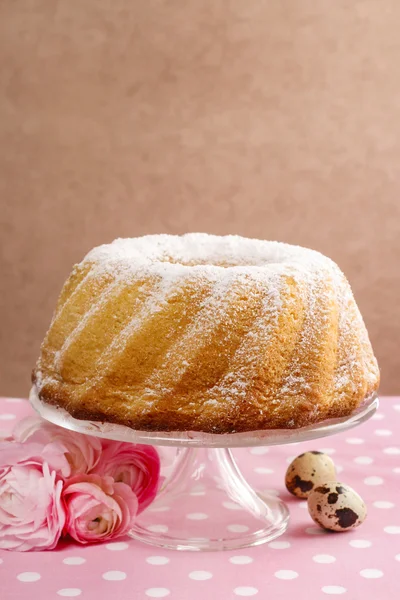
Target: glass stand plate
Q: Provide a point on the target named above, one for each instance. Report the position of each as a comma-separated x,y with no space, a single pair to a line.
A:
189,511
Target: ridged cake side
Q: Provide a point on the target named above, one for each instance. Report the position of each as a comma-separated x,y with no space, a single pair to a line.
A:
159,345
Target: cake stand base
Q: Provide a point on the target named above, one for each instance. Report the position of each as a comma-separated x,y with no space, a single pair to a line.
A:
181,519
204,468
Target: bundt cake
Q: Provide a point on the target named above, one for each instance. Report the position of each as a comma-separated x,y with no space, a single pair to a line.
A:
206,333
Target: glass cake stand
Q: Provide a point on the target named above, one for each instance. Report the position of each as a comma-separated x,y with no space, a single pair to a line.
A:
205,468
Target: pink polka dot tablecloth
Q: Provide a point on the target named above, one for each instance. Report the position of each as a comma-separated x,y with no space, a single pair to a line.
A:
304,563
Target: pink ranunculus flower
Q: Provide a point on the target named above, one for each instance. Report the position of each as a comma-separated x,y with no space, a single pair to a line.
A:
98,508
137,465
32,513
82,451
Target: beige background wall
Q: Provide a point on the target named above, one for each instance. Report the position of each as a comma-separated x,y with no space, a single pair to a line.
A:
270,118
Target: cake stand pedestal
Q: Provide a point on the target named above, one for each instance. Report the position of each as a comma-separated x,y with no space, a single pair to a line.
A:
179,518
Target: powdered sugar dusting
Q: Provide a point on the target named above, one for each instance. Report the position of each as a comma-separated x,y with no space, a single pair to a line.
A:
254,345
176,358
94,309
354,348
228,260
182,354
154,303
203,252
317,298
221,267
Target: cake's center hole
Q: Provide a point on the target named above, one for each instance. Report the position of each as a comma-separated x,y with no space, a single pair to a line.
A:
225,263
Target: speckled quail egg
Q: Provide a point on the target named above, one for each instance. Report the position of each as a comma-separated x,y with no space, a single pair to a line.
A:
307,471
336,506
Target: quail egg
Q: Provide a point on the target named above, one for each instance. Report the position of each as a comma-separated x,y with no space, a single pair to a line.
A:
307,471
336,506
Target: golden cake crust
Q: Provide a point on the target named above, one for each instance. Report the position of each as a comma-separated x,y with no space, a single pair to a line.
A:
206,333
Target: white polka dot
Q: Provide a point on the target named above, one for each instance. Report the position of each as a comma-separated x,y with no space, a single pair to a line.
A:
396,470
199,487
1,561
396,407
397,557
7,417
200,575
364,460
74,560
338,468
383,432
354,441
69,592
315,531
373,480
197,516
271,492
259,450
290,459
393,450
15,400
158,528
245,591
328,450
324,558
199,493
360,543
264,470
302,504
378,417
279,545
159,508
232,505
383,504
241,560
371,573
284,574
333,589
114,575
237,528
157,560
28,576
392,529
157,592
115,546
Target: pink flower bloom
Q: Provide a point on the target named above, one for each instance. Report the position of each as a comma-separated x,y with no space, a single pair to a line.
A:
32,515
136,465
82,451
98,509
